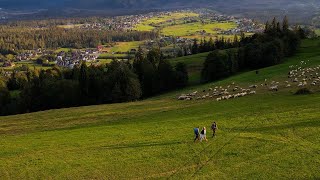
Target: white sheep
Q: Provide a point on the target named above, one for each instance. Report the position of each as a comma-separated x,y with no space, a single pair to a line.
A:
252,92
273,88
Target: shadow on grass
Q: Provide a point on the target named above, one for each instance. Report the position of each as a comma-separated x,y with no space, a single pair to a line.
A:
139,145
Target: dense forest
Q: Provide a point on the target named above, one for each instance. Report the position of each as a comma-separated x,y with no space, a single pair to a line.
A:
25,38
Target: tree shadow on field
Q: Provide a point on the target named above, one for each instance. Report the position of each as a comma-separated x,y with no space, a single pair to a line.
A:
304,124
139,145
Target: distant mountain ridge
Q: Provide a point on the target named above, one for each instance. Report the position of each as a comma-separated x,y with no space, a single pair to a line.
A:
97,4
142,4
298,10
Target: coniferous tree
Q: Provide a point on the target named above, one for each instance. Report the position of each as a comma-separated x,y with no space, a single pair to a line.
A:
195,47
83,80
285,24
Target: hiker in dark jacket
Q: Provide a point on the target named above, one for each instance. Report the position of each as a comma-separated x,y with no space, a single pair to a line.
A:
196,133
214,127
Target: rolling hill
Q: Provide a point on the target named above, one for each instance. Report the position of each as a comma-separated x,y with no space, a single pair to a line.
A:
270,135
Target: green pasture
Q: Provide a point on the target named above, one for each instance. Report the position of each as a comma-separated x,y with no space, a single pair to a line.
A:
191,29
149,24
270,135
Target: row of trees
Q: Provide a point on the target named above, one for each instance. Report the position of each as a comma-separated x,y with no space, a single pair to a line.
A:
207,46
258,51
119,81
20,38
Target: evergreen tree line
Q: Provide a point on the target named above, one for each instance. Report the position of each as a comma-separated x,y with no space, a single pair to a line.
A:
207,46
119,81
255,52
49,23
20,38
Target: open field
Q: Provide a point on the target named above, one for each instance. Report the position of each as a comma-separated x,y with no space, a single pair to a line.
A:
191,29
271,135
149,24
63,49
30,64
125,46
69,26
120,47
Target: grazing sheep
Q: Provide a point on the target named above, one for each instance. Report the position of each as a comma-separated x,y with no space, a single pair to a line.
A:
273,88
219,99
252,92
305,83
183,97
253,86
288,85
193,94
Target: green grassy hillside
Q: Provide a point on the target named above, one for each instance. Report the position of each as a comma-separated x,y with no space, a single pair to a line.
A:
270,135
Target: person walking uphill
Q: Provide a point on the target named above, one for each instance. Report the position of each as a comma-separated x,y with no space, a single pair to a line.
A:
203,134
196,133
214,127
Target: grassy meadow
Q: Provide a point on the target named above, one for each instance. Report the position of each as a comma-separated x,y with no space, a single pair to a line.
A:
270,135
191,29
149,24
120,47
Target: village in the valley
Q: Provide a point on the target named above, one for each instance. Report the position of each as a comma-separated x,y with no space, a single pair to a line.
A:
68,58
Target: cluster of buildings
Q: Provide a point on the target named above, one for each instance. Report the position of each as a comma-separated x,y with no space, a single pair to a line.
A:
70,59
119,23
123,23
31,54
62,59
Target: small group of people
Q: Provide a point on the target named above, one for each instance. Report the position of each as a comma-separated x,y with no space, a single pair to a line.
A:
202,135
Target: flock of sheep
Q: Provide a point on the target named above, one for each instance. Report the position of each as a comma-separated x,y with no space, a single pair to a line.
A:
220,93
297,76
304,76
